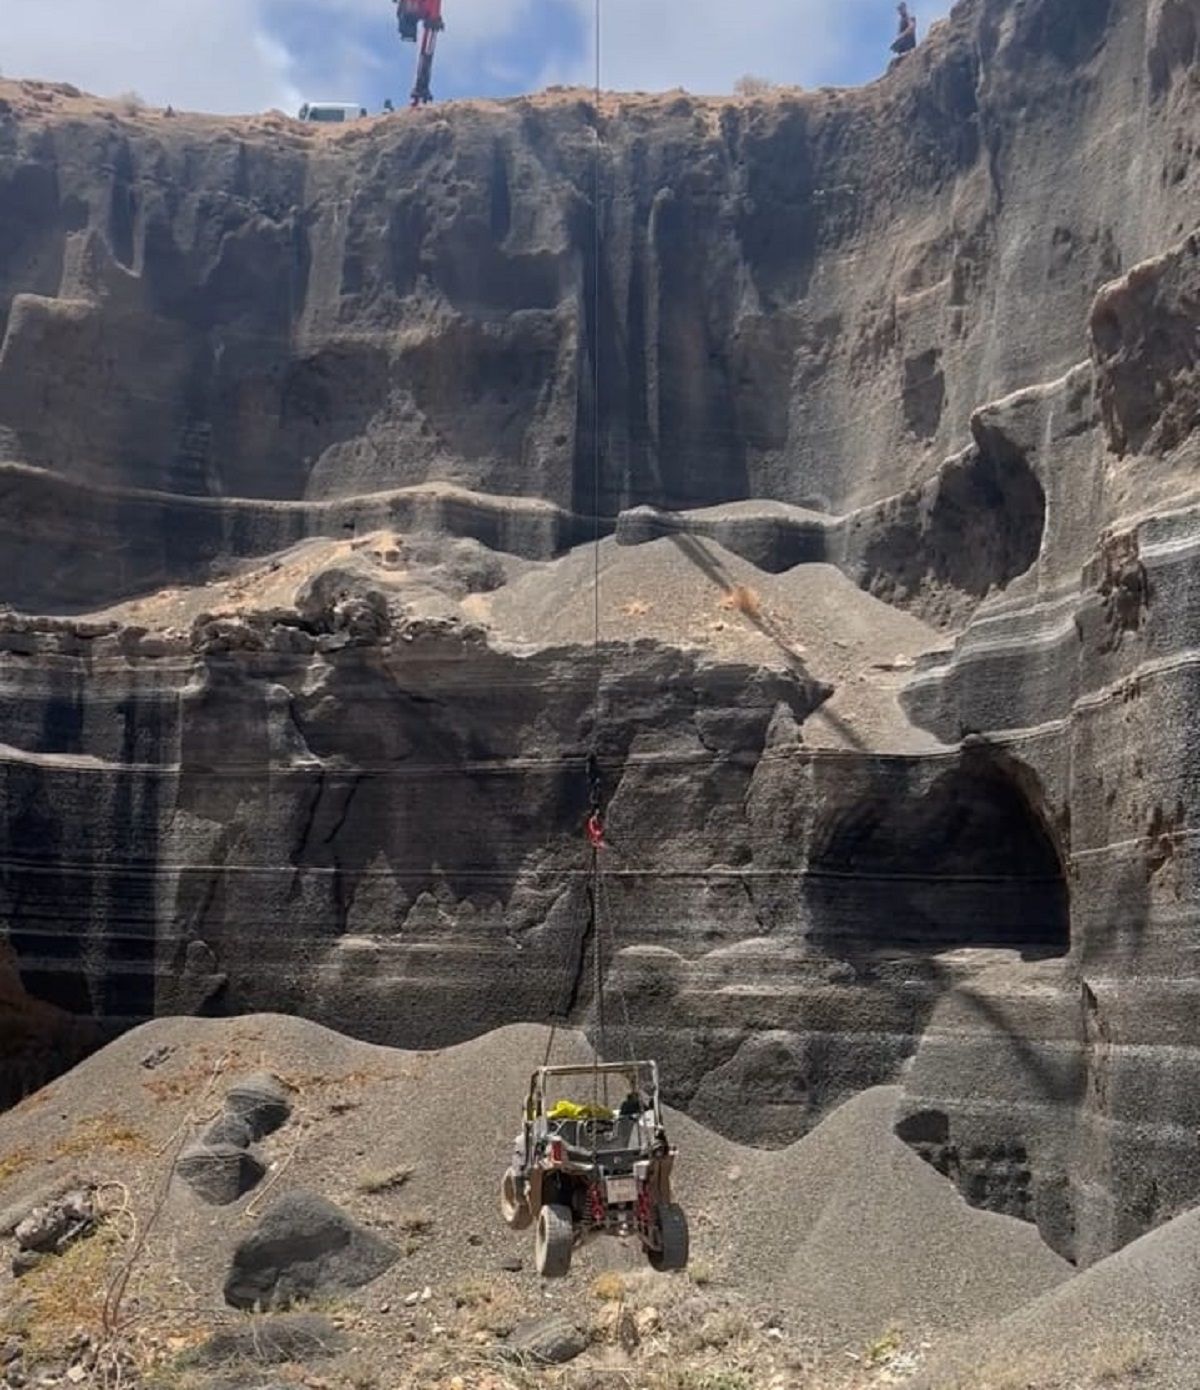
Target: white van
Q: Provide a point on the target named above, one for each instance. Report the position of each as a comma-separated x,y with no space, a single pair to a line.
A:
332,111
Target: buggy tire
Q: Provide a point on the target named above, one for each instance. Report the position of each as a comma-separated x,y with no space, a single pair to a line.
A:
513,1208
673,1230
554,1242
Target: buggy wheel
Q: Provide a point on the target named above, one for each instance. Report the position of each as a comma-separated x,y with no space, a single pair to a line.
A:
673,1232
513,1207
554,1241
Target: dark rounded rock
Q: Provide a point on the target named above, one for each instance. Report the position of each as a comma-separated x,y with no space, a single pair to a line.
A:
219,1173
229,1129
25,1262
552,1340
304,1248
261,1102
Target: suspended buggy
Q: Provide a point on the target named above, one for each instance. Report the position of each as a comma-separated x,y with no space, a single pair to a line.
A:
580,1169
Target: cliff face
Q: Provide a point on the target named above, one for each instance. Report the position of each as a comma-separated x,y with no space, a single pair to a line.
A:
802,299
895,417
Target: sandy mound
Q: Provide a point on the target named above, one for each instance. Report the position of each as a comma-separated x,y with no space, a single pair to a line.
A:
693,594
1128,1321
863,1236
846,1234
697,594
429,573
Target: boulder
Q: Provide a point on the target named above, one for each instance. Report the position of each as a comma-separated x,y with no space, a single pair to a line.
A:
304,1248
219,1173
25,1262
12,1216
261,1102
49,1229
552,1340
229,1129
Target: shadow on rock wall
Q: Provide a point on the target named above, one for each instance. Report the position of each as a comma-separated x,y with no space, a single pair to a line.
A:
964,861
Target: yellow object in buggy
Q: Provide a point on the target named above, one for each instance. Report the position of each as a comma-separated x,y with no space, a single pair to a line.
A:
569,1110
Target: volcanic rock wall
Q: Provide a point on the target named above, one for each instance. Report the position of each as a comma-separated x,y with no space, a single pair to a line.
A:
938,335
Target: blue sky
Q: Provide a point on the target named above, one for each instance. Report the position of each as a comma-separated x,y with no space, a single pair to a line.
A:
248,55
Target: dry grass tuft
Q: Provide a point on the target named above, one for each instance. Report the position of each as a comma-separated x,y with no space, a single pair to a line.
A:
358,1374
13,1163
415,1222
636,608
1011,1379
723,1328
175,1377
882,1349
1122,1363
473,1292
189,1081
490,1308
319,1083
683,1378
172,1088
376,1180
106,1132
743,599
67,1292
609,1287
751,86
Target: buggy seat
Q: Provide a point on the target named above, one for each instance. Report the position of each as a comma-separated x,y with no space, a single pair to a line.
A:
616,1142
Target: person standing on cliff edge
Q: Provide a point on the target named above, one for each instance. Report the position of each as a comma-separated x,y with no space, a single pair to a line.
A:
906,40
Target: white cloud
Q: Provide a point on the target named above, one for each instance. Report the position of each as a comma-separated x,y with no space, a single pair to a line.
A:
213,55
706,45
221,55
475,23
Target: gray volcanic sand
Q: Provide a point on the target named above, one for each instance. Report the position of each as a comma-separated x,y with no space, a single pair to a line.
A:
812,618
845,1234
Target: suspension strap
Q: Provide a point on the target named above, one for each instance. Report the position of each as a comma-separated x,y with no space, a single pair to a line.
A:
595,821
601,1050
594,825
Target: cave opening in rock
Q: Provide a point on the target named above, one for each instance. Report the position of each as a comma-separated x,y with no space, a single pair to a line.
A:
968,861
56,975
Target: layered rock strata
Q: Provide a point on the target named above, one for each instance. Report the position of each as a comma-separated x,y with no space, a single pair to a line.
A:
298,431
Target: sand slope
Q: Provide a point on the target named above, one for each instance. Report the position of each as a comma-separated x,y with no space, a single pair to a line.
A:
1130,1320
846,1233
